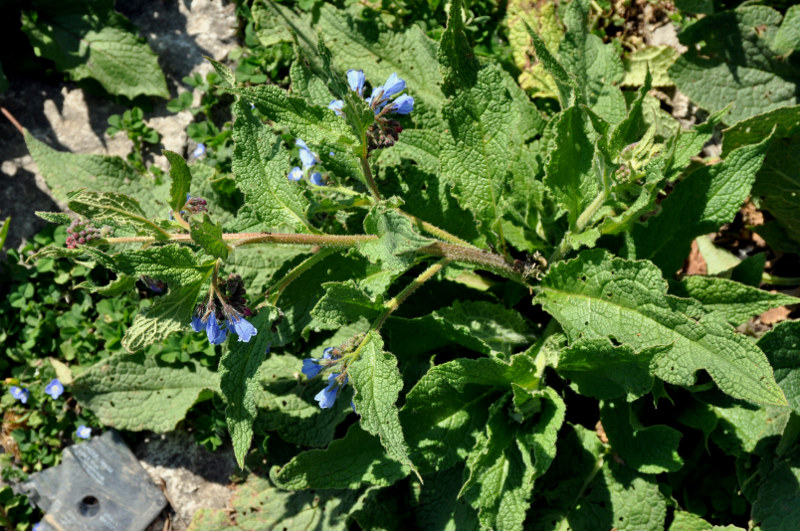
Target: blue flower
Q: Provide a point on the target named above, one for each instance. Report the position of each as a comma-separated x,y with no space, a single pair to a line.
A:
54,388
316,179
394,85
296,174
252,106
37,526
197,323
356,78
199,151
313,366
299,143
402,105
327,396
215,333
242,327
20,393
307,157
336,106
331,154
83,432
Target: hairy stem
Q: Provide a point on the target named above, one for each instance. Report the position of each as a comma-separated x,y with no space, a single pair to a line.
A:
373,188
580,224
433,230
455,252
396,301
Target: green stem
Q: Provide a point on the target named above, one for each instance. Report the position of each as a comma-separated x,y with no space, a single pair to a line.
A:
766,278
396,301
580,224
455,252
433,230
598,466
373,188
274,292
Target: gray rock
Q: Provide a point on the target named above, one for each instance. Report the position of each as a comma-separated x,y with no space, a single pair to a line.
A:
191,477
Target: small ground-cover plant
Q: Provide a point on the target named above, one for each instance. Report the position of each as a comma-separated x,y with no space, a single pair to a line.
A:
442,304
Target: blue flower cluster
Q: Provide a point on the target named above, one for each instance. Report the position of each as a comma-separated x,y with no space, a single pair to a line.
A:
380,97
224,309
313,366
309,159
217,333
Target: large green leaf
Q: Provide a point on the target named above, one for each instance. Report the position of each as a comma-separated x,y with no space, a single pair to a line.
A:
447,409
776,507
357,459
598,368
777,182
169,314
731,60
570,173
312,123
377,384
596,296
481,149
239,381
261,165
648,450
65,172
259,504
734,301
508,458
782,347
113,208
585,491
700,204
89,39
136,392
594,66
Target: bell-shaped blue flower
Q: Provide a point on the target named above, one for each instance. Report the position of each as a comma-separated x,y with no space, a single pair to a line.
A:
300,143
337,106
327,396
242,327
394,85
402,105
316,179
54,388
356,79
313,366
296,174
215,333
20,393
307,157
197,323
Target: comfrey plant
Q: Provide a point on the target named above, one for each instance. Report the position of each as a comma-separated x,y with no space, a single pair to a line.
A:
480,283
